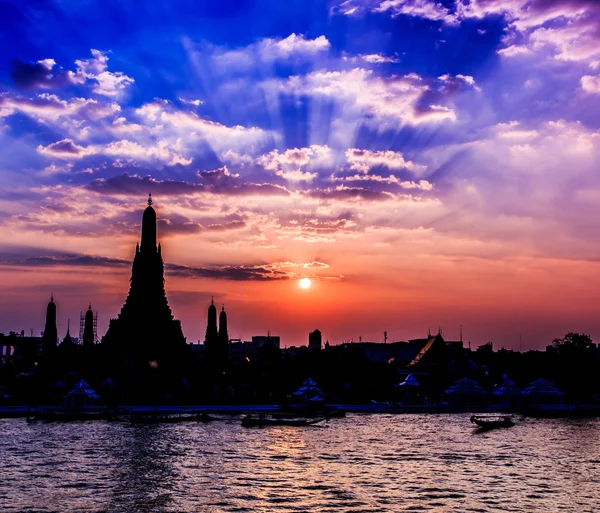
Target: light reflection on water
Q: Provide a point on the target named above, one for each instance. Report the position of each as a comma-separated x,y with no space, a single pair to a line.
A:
366,463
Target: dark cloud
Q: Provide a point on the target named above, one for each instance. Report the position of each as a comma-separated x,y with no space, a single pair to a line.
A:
141,186
57,259
40,75
349,193
177,224
64,146
319,224
38,258
233,272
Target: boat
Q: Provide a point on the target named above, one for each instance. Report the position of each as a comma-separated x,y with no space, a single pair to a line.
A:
260,421
492,421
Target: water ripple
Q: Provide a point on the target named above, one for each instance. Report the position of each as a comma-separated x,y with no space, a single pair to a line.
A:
362,463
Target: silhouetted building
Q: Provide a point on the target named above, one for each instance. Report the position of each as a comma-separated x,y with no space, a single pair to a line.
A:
145,337
216,341
68,341
314,340
50,336
262,341
211,339
223,335
88,328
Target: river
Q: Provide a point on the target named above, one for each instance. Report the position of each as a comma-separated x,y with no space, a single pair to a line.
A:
366,463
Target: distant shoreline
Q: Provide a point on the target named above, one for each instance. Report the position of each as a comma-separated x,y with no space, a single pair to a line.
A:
564,410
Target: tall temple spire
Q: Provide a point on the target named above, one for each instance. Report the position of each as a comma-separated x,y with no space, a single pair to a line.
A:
149,227
223,334
89,331
211,325
145,332
50,332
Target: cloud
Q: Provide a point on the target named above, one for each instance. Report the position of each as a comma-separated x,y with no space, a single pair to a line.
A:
267,50
590,84
231,272
106,83
377,58
427,9
163,118
423,185
252,272
59,259
569,28
195,103
43,74
342,192
67,149
50,108
290,163
126,184
140,186
365,160
272,49
46,74
408,99
515,51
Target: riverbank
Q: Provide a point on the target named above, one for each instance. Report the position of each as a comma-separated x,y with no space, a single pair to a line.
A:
565,410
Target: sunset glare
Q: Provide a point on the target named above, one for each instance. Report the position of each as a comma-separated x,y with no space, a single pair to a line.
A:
304,283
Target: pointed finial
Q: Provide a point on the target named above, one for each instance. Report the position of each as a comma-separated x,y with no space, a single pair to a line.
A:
150,199
52,297
223,308
68,326
90,307
212,301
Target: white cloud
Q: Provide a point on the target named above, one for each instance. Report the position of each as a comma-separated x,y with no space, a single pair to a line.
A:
162,118
289,164
377,58
268,50
423,185
236,158
67,149
195,103
515,51
272,49
590,84
49,107
365,160
427,9
393,99
96,69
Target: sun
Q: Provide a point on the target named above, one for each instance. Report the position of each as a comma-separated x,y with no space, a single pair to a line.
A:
304,283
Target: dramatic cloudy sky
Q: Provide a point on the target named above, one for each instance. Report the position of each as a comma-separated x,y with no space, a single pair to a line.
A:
425,163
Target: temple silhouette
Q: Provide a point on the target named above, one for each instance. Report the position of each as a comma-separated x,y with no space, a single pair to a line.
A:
145,337
217,340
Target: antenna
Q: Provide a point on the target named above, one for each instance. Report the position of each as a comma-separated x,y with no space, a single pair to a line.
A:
520,343
461,333
385,337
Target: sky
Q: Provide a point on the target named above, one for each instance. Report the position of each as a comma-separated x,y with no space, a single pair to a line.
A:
428,165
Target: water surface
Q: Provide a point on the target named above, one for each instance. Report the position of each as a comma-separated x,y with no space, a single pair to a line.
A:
366,463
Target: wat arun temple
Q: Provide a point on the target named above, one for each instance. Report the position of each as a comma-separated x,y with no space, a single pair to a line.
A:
145,337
